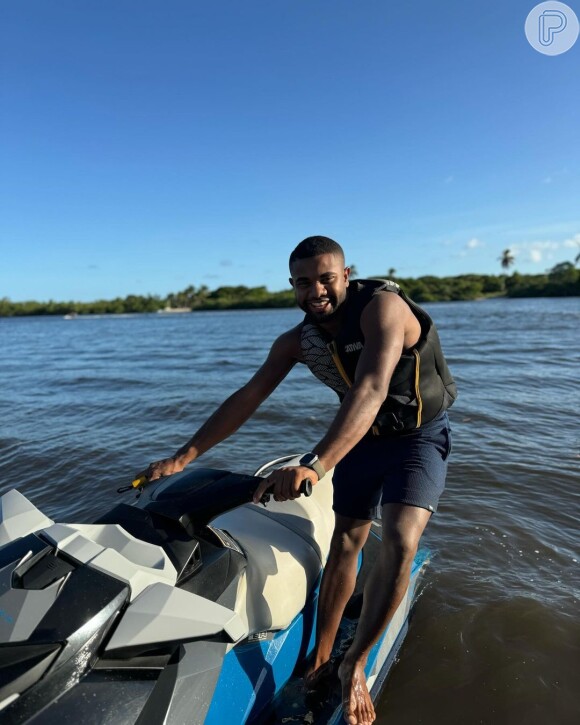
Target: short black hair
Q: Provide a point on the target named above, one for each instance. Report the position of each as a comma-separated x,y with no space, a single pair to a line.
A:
314,247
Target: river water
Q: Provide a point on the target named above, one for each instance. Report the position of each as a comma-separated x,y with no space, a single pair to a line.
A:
495,636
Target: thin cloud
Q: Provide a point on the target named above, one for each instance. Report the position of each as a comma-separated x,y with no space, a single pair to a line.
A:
470,245
573,242
554,176
543,251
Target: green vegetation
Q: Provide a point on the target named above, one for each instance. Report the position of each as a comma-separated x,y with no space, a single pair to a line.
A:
229,298
222,298
563,280
132,303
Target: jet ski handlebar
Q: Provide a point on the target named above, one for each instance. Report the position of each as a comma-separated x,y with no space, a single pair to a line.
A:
208,490
305,490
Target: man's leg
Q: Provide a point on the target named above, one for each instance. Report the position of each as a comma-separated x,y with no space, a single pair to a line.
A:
385,588
336,588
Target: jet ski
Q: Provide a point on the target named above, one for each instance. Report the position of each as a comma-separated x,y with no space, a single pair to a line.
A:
187,605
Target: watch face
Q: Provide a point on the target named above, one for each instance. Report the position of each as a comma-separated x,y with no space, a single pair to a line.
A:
308,459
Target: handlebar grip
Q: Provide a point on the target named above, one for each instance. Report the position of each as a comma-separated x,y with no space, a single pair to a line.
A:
305,490
134,484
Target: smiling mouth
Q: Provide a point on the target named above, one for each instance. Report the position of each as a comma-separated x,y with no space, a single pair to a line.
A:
319,305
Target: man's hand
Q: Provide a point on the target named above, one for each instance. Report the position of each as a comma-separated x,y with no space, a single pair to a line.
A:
285,483
165,467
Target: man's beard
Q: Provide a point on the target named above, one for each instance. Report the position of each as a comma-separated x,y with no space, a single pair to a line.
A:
324,315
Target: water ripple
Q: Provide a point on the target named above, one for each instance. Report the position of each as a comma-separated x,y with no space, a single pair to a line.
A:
496,628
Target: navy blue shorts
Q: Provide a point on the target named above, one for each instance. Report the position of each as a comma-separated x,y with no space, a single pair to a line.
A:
409,469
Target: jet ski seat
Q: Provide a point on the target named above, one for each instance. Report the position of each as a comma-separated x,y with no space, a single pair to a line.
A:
286,544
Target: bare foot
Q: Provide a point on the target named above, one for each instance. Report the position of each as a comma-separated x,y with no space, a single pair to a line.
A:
317,678
356,702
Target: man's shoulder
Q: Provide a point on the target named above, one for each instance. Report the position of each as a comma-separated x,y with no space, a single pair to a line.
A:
386,308
288,343
383,299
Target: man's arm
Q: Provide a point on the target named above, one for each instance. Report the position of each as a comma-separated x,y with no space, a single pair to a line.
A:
384,324
387,324
236,410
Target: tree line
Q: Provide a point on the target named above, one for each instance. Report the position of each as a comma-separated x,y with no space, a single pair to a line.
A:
561,280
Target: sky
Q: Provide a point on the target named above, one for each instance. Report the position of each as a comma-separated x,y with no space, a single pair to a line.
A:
150,145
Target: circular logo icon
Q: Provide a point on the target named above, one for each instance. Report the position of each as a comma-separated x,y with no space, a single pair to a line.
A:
552,28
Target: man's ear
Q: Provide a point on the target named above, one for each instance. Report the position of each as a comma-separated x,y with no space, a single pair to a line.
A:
291,281
347,275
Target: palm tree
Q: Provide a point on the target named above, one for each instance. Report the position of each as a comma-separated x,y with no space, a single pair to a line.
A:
353,271
506,259
391,273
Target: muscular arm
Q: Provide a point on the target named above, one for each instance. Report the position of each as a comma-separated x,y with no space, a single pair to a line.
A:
389,326
236,410
384,324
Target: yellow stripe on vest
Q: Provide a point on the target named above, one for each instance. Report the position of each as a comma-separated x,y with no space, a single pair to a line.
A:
333,350
417,390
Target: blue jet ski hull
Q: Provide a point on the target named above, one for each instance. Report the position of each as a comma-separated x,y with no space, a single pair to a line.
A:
261,681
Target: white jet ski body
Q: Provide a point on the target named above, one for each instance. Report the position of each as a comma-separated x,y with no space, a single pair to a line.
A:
189,605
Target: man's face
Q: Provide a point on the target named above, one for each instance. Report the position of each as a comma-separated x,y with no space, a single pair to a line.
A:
320,285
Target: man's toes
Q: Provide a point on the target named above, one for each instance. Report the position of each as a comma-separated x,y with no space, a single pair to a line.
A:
368,714
350,718
349,709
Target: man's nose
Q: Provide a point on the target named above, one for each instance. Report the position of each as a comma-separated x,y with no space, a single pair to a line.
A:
319,289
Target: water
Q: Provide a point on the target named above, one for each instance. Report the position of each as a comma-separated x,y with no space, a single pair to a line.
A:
495,637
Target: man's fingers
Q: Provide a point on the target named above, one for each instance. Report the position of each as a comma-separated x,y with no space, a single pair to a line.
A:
285,484
261,490
152,473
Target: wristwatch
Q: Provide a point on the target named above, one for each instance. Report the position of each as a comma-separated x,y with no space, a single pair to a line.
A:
310,460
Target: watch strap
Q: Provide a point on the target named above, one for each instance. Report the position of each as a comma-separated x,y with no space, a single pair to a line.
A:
314,464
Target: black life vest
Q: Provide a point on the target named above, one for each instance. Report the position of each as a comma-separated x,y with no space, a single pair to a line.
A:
421,386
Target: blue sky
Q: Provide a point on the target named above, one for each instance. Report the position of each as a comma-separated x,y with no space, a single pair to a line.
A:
146,146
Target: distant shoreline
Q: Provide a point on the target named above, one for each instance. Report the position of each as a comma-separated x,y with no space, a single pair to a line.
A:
563,280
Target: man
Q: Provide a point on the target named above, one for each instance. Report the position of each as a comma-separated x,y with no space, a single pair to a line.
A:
389,441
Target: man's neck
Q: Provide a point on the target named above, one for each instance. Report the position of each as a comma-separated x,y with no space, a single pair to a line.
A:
332,327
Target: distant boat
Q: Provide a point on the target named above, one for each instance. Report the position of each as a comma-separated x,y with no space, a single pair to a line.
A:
71,316
173,310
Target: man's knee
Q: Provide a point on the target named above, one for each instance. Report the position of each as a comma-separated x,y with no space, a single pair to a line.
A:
402,531
349,536
400,547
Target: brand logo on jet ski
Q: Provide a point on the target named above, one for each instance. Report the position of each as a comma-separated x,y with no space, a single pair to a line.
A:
353,346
